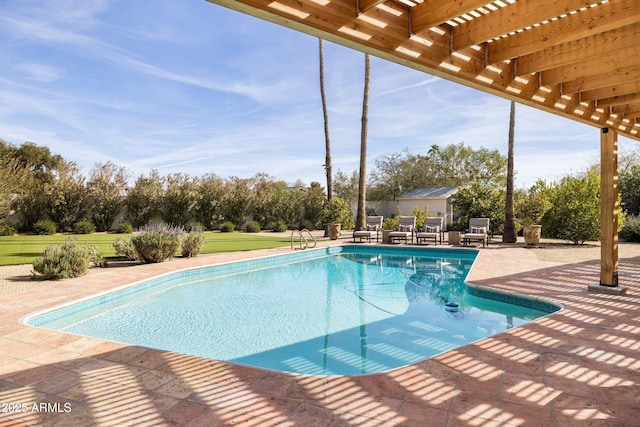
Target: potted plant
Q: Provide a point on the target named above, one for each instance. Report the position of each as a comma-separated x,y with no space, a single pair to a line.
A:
337,215
531,207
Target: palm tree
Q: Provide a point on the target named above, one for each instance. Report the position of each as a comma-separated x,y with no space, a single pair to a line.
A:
509,234
327,144
362,182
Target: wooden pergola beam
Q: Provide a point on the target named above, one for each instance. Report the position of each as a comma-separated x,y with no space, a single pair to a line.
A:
581,50
576,26
430,13
511,18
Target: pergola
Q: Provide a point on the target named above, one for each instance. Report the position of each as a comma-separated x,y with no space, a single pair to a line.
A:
579,59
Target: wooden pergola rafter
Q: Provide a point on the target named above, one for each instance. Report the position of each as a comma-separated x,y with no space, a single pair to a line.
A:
575,58
579,59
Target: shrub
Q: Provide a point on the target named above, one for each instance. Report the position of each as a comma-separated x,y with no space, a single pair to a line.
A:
192,243
420,214
125,228
308,224
253,227
123,247
227,227
280,227
45,227
631,230
195,226
337,210
67,260
7,229
157,243
84,227
391,223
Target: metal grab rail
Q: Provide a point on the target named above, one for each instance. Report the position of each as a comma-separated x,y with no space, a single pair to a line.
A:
301,236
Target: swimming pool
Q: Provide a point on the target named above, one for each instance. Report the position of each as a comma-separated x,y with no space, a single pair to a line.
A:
336,311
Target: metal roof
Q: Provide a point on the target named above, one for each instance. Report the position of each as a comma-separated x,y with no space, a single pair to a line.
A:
575,58
430,193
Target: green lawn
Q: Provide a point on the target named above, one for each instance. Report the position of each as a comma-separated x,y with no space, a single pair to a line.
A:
23,249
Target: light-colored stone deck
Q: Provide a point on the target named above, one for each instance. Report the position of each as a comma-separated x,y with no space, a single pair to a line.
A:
580,366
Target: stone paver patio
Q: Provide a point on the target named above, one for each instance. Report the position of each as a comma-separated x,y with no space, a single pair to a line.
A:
580,366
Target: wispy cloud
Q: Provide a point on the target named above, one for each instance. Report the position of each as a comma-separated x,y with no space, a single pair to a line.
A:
193,87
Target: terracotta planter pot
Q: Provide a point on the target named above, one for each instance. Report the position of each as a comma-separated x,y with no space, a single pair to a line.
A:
334,230
532,234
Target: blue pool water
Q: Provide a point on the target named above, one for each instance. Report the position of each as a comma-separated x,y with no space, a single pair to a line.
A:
338,311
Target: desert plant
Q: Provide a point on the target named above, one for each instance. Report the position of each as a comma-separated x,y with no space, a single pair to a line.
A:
157,242
45,227
84,227
7,229
228,227
192,243
67,260
253,227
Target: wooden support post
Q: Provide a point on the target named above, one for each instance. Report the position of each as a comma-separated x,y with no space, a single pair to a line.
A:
609,207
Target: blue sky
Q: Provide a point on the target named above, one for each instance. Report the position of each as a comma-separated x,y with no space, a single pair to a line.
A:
188,86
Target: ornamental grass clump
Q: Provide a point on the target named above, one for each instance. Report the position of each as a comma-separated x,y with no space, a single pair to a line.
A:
157,242
192,242
67,260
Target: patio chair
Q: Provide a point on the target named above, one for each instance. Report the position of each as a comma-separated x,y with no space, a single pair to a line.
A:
432,230
372,228
406,226
478,232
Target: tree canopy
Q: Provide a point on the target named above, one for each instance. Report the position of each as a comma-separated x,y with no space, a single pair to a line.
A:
451,165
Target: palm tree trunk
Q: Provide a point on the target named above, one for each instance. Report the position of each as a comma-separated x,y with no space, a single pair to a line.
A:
509,234
327,143
362,182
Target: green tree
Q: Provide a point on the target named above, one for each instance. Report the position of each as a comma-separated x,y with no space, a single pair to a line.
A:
144,200
345,186
452,165
13,179
265,190
66,197
480,201
238,201
107,188
179,199
575,214
208,208
39,160
313,202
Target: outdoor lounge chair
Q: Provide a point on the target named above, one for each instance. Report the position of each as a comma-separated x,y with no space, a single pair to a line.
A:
372,228
406,226
433,230
478,232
